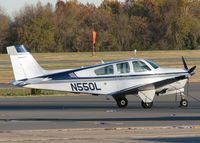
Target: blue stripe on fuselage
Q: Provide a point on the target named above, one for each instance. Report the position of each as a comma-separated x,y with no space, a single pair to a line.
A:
65,76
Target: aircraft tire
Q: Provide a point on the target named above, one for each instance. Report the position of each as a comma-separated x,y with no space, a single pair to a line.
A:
122,102
184,103
146,105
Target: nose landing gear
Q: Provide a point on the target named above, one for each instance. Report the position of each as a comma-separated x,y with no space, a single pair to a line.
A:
183,102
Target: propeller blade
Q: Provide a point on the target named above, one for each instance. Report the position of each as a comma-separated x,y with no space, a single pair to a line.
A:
191,71
184,63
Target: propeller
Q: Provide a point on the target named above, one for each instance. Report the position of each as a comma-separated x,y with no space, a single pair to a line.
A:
191,71
184,63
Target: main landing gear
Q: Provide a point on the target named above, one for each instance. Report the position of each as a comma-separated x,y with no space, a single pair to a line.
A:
146,105
122,102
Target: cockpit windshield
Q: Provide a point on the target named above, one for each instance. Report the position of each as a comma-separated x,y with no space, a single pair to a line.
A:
154,65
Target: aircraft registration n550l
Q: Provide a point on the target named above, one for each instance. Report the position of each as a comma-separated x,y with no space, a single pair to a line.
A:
117,78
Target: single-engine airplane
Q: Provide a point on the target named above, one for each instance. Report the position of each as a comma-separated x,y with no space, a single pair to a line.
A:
116,78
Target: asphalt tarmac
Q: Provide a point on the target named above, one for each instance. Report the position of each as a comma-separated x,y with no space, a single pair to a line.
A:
80,111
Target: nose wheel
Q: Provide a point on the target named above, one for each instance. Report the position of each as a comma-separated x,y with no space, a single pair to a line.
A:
183,103
122,102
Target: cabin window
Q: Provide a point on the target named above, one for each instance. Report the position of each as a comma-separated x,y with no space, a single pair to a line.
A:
123,68
140,66
154,65
104,70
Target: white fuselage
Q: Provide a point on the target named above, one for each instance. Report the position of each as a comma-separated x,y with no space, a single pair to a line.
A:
87,82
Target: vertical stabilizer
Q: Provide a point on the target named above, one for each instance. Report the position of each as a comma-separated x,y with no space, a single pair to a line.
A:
23,64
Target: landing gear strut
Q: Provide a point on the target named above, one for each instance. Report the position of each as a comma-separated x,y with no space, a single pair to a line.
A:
146,105
122,102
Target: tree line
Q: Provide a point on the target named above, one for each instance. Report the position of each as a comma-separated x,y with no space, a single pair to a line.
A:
129,25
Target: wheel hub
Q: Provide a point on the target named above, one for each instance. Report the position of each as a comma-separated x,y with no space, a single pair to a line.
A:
123,102
184,103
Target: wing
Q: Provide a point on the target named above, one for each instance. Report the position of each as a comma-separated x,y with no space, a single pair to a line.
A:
147,91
